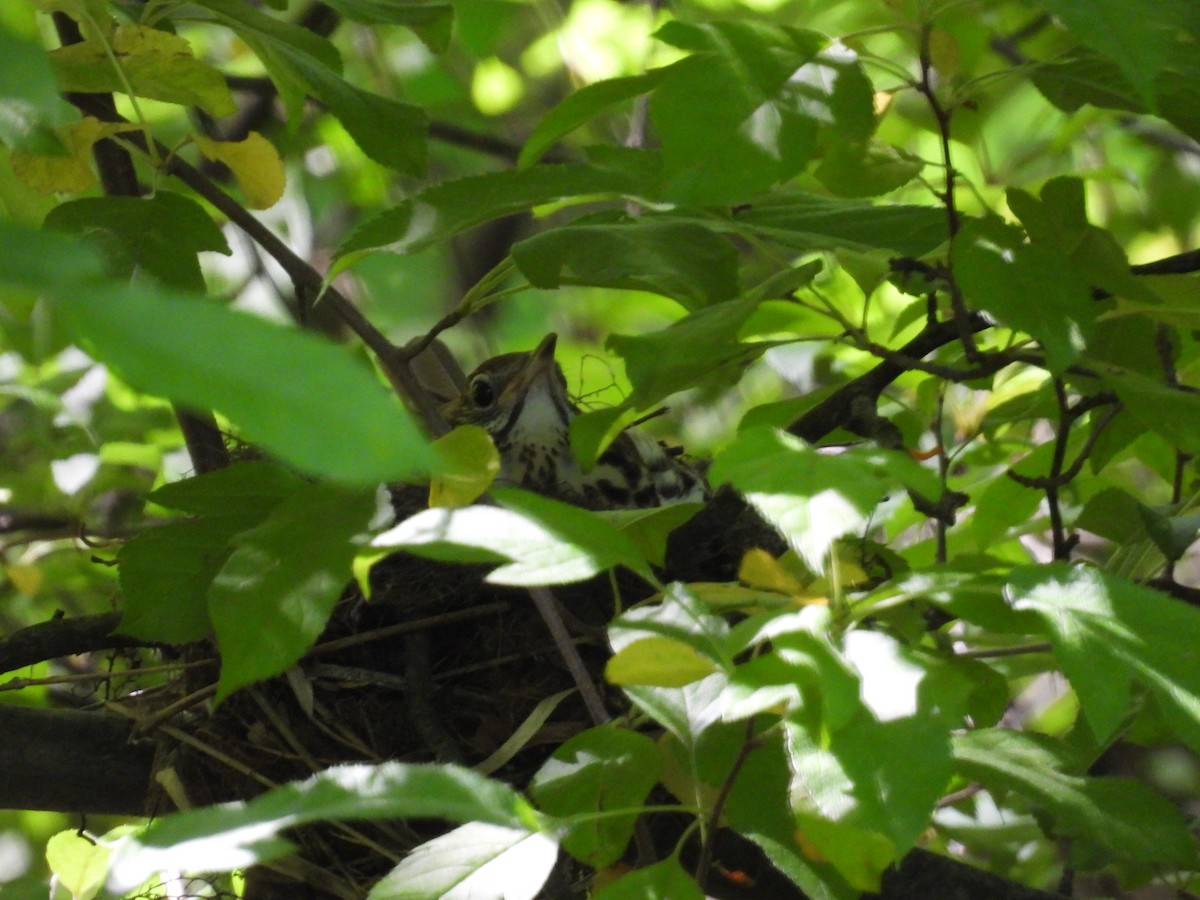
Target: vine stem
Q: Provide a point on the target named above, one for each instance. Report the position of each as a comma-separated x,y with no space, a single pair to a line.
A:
704,862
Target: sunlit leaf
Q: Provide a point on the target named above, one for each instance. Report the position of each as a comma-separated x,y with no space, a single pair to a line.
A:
1122,816
231,836
545,541
658,661
80,865
300,396
604,768
473,860
1100,626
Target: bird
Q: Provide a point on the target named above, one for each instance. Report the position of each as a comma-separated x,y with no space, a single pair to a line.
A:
521,400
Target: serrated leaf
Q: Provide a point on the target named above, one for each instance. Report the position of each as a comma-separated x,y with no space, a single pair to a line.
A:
154,64
1141,45
71,172
603,769
273,595
681,260
473,860
231,836
161,234
1081,78
298,395
546,541
254,162
658,662
768,93
1027,287
1121,815
432,215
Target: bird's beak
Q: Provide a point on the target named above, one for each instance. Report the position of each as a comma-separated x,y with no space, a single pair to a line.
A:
540,364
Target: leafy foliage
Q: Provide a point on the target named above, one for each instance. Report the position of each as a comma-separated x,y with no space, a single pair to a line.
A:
923,214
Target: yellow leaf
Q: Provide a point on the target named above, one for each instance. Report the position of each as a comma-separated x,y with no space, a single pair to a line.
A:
72,172
149,63
471,463
658,661
255,164
720,596
26,579
761,570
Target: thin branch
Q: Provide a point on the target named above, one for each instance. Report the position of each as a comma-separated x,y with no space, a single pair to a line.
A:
704,863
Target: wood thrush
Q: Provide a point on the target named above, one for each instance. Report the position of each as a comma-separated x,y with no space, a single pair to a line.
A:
521,400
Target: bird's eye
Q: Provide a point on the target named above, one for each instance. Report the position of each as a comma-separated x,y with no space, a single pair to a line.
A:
482,394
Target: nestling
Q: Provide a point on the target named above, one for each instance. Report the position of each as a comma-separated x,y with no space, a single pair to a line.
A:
521,400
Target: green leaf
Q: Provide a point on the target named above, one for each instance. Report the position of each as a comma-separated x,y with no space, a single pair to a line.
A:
657,661
683,619
301,397
664,880
79,865
438,212
246,490
813,499
1081,78
1101,626
1027,286
599,770
682,260
805,221
231,836
1141,42
545,541
272,597
431,20
473,860
166,572
1169,412
391,132
44,260
165,576
29,101
470,462
1059,220
865,169
768,92
700,348
1121,815
582,106
650,528
153,64
161,234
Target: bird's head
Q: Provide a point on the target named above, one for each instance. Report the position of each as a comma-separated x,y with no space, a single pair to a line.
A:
523,392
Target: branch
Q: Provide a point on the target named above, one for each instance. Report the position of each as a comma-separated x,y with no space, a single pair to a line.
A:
63,637
71,761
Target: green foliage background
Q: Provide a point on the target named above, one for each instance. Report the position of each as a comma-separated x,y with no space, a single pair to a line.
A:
739,207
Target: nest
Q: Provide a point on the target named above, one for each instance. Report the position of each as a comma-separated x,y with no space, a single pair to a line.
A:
437,666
